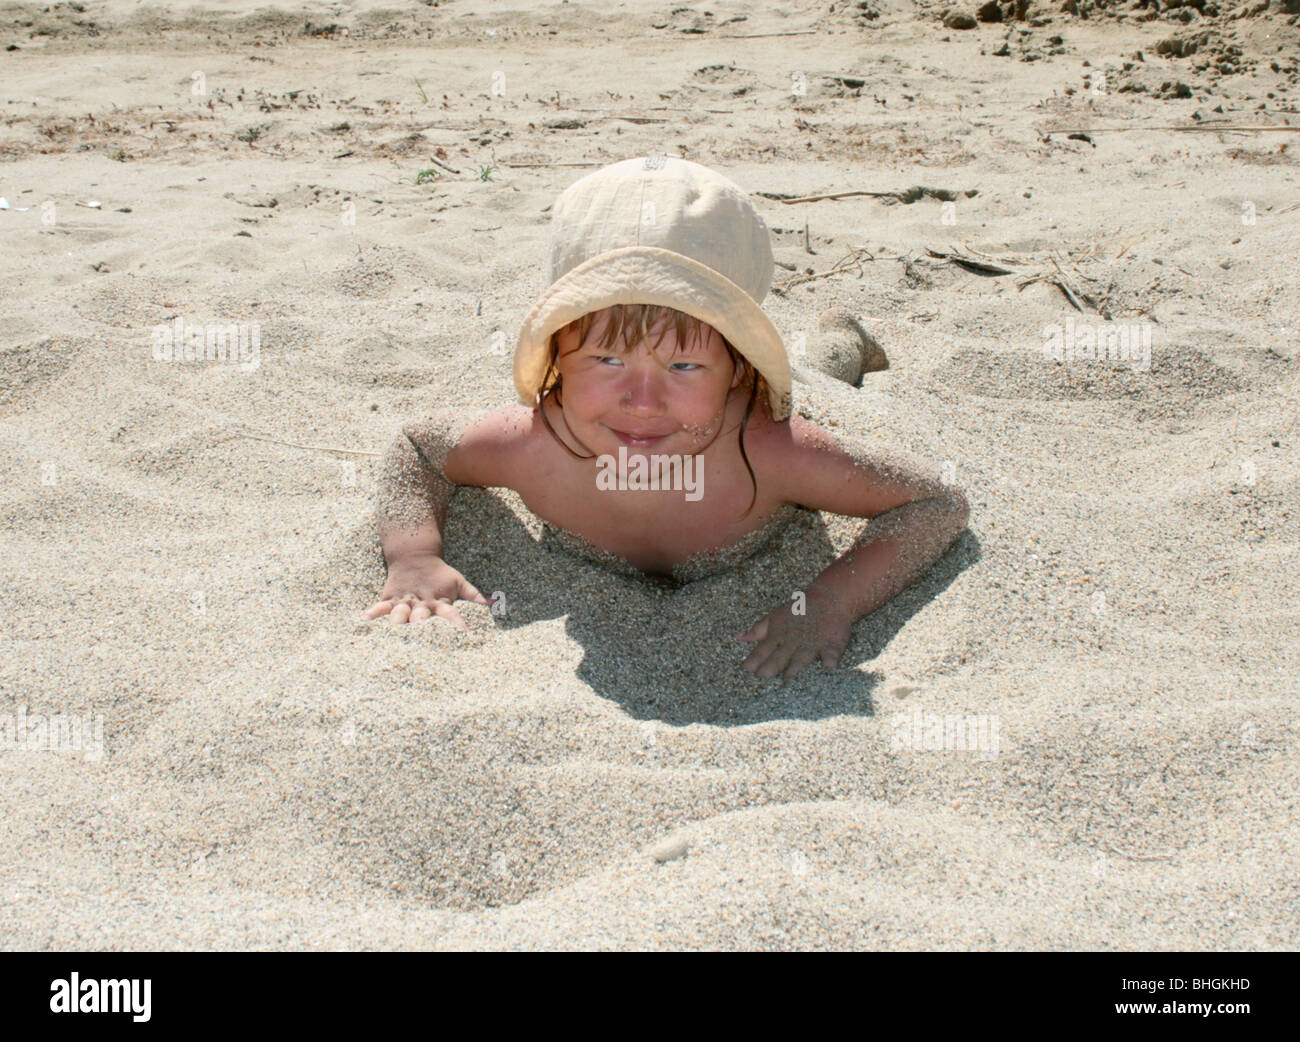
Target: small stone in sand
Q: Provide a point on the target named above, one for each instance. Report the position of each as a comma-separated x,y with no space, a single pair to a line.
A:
669,849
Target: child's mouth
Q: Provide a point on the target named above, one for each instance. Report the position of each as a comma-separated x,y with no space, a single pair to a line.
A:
636,442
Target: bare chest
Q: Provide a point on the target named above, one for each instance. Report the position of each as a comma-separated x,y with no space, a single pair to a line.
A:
656,513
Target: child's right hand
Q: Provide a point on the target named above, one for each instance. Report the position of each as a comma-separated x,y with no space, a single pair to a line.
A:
421,587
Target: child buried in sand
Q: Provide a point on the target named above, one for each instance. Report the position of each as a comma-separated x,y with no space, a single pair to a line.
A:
654,428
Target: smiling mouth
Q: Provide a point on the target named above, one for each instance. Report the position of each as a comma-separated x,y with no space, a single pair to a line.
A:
639,442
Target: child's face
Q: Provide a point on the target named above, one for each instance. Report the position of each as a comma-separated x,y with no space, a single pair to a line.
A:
672,403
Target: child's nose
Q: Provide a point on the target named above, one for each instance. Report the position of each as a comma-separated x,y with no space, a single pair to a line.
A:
643,389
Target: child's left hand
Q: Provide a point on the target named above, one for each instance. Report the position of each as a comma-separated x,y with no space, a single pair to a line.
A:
786,642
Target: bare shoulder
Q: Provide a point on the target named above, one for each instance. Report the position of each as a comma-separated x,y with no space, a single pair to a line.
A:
487,446
847,474
773,448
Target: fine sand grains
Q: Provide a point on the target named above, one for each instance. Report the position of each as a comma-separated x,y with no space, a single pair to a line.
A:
588,767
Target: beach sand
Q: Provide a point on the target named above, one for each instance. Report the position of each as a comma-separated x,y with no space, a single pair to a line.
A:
589,768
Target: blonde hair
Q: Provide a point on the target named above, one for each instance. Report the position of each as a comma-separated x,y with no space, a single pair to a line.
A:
637,320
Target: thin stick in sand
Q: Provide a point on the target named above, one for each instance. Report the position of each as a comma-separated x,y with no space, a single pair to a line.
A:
1209,127
308,448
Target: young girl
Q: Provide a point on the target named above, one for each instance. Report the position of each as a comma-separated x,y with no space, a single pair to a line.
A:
649,353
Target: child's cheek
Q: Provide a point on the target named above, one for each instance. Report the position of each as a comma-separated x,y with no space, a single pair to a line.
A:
703,432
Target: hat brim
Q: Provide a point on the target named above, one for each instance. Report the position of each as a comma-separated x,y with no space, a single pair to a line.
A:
650,275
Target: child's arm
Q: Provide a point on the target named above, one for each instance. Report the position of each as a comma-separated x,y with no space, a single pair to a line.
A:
915,518
418,475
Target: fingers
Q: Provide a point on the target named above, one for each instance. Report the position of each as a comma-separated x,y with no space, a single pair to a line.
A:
789,659
446,610
401,610
409,608
801,658
762,661
786,646
469,593
832,653
771,654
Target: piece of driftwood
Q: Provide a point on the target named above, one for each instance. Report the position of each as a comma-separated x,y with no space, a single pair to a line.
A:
978,267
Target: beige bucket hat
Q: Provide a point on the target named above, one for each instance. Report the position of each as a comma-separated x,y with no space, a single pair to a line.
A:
658,230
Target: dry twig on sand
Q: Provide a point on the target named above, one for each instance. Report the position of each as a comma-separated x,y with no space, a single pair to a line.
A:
309,448
1203,127
849,262
976,266
760,36
906,195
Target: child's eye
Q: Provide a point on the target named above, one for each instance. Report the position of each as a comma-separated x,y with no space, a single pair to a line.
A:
691,366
